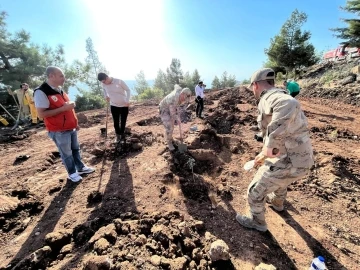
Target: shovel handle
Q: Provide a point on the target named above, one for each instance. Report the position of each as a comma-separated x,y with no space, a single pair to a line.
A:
107,116
181,138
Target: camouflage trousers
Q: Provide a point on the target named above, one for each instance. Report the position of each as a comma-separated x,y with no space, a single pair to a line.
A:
168,123
271,181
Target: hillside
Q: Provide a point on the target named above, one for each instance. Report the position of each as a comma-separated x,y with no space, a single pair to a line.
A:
148,209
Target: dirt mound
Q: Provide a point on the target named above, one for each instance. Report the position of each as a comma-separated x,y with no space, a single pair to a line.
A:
17,210
150,240
332,80
155,120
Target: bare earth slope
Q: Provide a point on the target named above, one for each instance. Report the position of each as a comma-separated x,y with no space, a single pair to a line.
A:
148,209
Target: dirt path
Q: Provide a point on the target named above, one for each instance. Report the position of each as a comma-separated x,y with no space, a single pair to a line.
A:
322,211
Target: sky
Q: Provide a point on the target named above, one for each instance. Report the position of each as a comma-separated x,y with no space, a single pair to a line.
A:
212,36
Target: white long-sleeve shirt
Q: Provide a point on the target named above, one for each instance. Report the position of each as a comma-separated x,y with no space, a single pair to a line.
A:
118,92
199,91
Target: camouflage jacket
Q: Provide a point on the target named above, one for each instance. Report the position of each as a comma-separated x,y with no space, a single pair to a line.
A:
285,127
171,102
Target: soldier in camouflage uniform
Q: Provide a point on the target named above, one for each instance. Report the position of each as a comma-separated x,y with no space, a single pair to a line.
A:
287,149
169,109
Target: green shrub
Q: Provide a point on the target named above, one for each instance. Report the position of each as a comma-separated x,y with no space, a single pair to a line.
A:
149,93
89,101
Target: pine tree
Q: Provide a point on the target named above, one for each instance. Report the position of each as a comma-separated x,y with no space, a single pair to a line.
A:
141,84
160,82
291,47
174,73
216,83
351,33
94,67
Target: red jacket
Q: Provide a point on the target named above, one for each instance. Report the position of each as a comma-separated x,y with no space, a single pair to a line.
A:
63,121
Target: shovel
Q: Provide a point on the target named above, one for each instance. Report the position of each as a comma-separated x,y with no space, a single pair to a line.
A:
181,146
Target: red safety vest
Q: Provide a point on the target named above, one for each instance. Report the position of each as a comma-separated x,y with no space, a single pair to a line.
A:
63,121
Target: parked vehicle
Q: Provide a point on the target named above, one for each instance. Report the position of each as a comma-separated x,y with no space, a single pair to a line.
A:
342,52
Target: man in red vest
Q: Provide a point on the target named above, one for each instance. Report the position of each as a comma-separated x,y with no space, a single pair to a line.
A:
53,104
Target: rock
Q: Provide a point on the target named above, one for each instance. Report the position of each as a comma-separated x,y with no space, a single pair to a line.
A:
348,79
37,233
101,245
26,222
137,146
219,250
178,263
254,128
152,245
129,257
209,236
184,229
66,249
192,265
263,266
97,152
56,240
197,254
355,70
97,263
36,260
8,204
125,227
165,262
189,245
203,264
141,240
234,149
82,118
155,260
108,232
230,117
146,225
199,225
162,233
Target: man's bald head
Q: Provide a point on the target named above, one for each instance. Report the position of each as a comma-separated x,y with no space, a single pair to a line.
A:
51,69
55,76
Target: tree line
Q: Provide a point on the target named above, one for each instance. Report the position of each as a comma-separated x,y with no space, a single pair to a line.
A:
165,81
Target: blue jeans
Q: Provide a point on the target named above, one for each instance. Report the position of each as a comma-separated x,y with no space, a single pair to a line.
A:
69,148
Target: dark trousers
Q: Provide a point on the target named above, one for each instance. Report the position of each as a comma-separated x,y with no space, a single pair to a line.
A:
294,94
118,112
200,106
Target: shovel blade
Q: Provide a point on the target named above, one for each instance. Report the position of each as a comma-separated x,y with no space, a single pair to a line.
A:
182,147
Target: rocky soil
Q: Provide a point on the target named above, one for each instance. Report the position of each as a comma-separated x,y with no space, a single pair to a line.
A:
147,208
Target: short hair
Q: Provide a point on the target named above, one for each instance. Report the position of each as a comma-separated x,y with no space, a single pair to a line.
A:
102,76
271,82
200,82
50,69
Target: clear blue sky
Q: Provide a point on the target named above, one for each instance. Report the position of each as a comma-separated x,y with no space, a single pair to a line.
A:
132,35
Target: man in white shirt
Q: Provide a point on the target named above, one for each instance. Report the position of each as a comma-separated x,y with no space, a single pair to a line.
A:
118,94
199,93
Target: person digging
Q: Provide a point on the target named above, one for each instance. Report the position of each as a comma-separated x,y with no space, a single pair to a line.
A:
287,153
169,109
